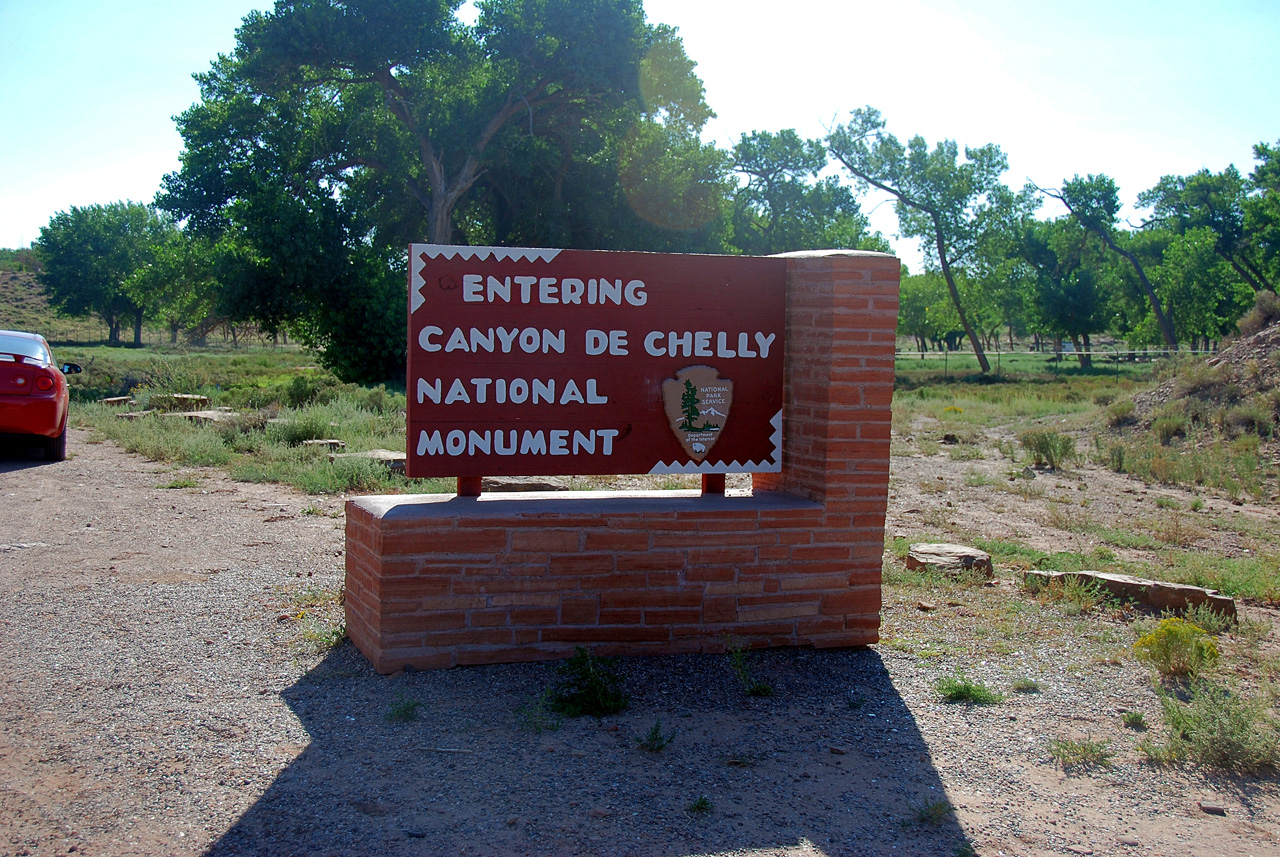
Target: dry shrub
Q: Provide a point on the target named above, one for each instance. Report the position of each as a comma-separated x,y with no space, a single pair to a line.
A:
1265,312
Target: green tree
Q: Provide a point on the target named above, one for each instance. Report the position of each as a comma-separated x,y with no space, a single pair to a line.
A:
1262,210
940,200
1204,293
88,254
1217,202
341,130
1068,295
176,285
1095,202
785,206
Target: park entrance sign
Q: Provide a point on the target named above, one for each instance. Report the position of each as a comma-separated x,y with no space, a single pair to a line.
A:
576,362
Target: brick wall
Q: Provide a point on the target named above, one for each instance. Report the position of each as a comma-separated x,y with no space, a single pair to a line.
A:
436,581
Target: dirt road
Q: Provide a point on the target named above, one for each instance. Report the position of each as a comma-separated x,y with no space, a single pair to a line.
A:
154,699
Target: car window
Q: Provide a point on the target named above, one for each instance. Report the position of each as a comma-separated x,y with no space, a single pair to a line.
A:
24,347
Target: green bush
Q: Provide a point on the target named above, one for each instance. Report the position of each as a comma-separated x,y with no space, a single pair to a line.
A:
1250,418
1177,647
1167,428
1121,413
1265,312
1221,728
1048,448
588,685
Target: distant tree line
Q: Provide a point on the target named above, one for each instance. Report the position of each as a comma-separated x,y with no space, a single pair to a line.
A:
339,131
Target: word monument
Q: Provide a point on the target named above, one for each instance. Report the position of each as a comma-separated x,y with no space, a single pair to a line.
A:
574,362
536,362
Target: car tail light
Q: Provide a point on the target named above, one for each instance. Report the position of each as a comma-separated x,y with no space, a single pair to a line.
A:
44,383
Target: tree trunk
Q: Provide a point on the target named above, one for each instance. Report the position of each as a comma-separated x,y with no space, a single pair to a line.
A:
1082,354
955,299
137,329
1166,326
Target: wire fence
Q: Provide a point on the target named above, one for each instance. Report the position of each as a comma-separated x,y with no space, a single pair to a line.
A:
1099,360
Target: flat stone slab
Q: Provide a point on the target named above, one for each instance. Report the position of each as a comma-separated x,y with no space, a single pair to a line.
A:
217,416
178,402
1153,593
116,400
392,459
328,443
133,415
950,559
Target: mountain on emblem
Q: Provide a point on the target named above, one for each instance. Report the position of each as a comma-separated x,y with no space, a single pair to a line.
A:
697,402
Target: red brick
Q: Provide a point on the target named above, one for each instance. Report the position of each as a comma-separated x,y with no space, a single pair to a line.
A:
643,598
587,563
720,610
651,561
855,601
631,616
613,541
548,541
486,618
721,556
716,573
672,615
535,615
422,622
602,633
579,611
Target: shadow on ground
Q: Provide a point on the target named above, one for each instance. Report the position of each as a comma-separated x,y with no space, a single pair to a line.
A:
831,764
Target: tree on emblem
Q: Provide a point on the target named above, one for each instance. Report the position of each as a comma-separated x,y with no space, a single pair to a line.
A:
689,407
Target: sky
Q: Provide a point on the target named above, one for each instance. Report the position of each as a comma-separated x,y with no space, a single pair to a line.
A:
1136,90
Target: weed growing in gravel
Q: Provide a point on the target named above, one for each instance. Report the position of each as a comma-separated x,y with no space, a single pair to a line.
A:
701,805
742,671
1177,648
1026,685
1219,727
403,710
588,685
654,741
1209,619
960,688
1083,753
1134,720
536,715
1048,448
319,636
183,482
931,813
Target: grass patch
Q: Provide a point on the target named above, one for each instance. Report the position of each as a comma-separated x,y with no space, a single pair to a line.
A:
701,805
1084,753
1026,685
182,482
1048,448
403,710
960,688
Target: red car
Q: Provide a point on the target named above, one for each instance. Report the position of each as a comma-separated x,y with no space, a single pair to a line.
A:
33,391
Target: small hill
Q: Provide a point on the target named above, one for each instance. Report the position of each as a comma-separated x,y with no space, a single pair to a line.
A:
24,306
1245,373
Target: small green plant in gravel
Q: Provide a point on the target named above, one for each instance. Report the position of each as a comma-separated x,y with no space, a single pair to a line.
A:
933,813
1218,727
182,482
701,805
1048,448
655,740
1134,720
588,685
742,671
536,715
1177,648
1212,621
1026,685
1083,753
961,688
403,710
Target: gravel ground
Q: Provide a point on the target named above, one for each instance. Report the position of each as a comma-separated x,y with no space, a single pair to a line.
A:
161,695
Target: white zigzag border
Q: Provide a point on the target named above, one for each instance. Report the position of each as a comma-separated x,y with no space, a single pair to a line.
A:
774,466
483,254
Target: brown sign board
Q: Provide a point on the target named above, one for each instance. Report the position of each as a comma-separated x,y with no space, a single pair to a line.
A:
576,362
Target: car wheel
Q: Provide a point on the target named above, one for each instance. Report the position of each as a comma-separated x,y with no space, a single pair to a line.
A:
55,448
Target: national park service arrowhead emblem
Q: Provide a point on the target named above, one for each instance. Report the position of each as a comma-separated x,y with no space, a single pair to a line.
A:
697,402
